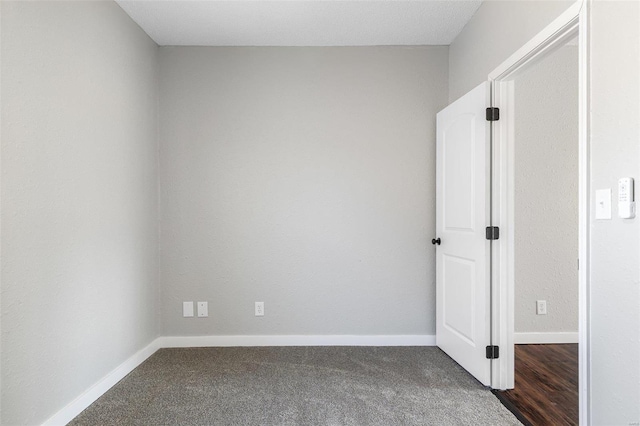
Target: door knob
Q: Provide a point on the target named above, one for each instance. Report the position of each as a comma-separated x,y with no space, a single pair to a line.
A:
435,241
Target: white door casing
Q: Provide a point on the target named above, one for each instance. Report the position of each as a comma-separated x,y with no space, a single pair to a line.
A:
573,21
462,215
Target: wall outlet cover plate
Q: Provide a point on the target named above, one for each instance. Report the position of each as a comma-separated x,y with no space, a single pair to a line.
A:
187,309
203,309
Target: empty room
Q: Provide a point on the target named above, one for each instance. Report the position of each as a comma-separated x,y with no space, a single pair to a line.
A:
319,212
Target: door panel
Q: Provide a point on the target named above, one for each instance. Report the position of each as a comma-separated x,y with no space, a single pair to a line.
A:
462,213
459,280
458,169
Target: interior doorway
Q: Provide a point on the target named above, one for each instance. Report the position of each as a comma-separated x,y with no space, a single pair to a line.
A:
493,289
545,120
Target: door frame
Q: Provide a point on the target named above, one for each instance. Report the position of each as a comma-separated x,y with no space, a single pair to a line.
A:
573,22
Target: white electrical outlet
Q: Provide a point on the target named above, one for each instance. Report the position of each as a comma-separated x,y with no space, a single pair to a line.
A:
203,309
187,309
541,307
259,309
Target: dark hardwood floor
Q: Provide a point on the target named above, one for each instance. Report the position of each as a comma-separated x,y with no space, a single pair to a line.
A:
546,385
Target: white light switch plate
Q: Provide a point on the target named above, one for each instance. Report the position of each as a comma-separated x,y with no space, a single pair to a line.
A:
603,204
187,309
203,309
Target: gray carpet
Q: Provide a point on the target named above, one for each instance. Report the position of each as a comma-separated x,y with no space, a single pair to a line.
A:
298,386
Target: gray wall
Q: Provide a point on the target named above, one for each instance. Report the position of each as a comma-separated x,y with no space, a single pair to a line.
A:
615,152
615,244
79,200
304,178
546,199
497,30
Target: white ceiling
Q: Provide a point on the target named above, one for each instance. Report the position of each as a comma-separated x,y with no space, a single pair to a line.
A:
300,23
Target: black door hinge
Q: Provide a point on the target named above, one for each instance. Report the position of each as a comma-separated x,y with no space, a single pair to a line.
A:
493,233
493,352
493,114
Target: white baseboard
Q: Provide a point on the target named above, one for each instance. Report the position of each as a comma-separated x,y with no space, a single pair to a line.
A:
294,340
542,338
75,407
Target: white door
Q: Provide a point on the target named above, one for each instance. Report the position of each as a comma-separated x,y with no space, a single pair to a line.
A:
462,215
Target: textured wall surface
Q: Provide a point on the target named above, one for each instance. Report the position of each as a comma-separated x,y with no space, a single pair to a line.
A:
497,30
546,199
304,178
79,200
615,244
